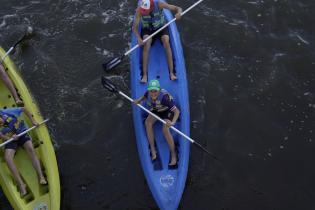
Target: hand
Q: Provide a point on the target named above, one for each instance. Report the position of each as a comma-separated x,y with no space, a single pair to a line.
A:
136,101
169,123
35,123
140,41
178,16
15,137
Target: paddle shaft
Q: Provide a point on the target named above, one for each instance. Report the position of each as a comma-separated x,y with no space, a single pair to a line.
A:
152,35
6,54
157,117
172,127
23,133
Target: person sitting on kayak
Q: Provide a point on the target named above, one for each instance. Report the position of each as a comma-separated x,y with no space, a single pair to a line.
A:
150,13
10,127
7,81
161,103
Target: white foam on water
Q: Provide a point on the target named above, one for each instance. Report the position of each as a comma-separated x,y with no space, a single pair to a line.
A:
4,23
119,104
106,52
108,16
122,5
302,40
89,15
254,2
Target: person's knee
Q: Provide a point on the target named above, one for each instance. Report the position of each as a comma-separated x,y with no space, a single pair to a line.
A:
2,73
166,41
148,123
165,129
29,149
8,157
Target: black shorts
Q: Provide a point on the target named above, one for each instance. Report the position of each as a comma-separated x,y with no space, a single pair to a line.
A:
20,142
166,115
157,36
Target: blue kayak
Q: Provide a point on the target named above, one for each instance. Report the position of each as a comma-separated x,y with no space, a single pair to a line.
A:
167,185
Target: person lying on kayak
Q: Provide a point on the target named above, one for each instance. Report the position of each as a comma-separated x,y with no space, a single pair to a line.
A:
161,103
10,126
150,14
7,81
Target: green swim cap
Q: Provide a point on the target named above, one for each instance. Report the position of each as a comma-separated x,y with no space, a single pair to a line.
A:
154,85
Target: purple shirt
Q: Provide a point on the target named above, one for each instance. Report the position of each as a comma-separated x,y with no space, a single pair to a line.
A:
166,100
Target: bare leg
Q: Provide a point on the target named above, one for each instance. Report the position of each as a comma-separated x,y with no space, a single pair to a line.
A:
9,155
169,138
169,55
149,122
145,58
7,81
28,146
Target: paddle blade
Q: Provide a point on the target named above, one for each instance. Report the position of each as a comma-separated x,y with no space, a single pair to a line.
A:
29,33
111,64
109,85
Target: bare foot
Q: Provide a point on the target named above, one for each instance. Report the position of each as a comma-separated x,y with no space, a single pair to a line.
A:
23,190
42,181
18,101
144,79
153,155
173,77
173,160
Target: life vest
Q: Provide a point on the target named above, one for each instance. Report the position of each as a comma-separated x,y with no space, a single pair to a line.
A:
155,19
157,105
11,123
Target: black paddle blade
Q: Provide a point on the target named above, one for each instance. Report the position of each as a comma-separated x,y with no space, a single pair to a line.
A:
109,85
29,33
109,65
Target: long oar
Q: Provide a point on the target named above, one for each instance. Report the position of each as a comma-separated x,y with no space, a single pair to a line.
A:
24,132
112,88
109,65
28,32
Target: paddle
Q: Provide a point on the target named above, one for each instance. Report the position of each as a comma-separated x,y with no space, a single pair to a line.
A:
28,32
21,134
109,65
112,88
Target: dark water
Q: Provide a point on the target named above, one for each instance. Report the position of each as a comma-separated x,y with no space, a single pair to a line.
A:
251,74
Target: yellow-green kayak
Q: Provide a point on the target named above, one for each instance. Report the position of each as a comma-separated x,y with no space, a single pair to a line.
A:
39,197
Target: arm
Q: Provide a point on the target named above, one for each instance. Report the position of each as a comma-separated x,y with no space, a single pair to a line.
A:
30,116
176,115
139,100
173,8
135,28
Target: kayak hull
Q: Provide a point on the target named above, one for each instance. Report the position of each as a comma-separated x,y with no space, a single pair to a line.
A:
166,185
39,197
